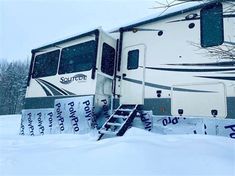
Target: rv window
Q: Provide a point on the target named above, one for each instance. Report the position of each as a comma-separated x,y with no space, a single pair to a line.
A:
133,59
46,64
212,32
107,63
78,58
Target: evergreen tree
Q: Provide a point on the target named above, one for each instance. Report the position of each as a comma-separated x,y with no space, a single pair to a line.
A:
13,77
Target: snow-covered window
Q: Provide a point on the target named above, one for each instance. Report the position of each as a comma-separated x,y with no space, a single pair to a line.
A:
46,64
212,29
133,59
107,63
78,58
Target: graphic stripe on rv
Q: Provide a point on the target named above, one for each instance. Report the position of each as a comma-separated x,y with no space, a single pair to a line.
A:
54,87
192,70
163,87
44,88
69,93
219,77
54,90
217,64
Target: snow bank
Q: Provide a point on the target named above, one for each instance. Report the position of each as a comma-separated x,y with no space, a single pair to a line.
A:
9,124
137,153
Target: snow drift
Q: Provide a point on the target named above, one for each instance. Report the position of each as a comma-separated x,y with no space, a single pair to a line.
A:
138,152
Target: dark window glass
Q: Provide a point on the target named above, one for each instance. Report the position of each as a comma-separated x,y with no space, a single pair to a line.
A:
212,29
46,64
107,63
78,58
133,59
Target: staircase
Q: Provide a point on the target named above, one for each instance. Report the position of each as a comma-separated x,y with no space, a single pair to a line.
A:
119,121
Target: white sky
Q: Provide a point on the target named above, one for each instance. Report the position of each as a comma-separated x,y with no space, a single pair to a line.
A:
27,24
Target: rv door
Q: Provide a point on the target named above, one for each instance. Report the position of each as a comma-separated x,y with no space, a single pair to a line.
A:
132,84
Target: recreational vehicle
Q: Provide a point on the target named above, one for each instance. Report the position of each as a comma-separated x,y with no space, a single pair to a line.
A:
79,66
177,63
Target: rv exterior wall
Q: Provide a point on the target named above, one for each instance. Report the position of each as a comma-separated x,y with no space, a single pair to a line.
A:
174,56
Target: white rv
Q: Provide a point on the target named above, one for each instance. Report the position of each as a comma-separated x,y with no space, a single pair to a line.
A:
178,63
175,63
82,65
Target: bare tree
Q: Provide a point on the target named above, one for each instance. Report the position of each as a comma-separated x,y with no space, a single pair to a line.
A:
225,51
166,4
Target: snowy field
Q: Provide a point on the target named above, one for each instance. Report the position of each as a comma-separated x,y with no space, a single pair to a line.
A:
137,153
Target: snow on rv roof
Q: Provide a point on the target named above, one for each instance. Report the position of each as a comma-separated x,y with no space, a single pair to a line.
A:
67,39
178,7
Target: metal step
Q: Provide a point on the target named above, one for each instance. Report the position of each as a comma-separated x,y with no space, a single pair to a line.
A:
120,117
126,110
113,124
127,106
107,132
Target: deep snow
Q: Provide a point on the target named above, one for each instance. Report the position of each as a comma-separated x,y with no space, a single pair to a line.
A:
137,153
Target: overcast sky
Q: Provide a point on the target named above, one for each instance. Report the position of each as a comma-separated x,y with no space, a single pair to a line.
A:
27,24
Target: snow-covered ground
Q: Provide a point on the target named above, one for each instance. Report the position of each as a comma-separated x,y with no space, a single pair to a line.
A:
137,153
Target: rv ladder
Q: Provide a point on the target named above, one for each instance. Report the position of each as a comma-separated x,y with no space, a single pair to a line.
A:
119,121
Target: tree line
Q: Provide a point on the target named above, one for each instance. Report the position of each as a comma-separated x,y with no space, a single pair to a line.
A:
13,83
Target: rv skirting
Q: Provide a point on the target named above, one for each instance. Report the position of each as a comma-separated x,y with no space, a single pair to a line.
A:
159,106
231,107
162,106
42,102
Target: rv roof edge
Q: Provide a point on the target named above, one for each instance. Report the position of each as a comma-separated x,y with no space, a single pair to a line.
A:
162,16
171,14
95,32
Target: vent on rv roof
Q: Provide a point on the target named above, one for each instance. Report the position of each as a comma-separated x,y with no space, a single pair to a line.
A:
160,33
191,25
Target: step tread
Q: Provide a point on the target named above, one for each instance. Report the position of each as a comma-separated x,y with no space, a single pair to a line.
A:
102,131
114,124
120,116
127,110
